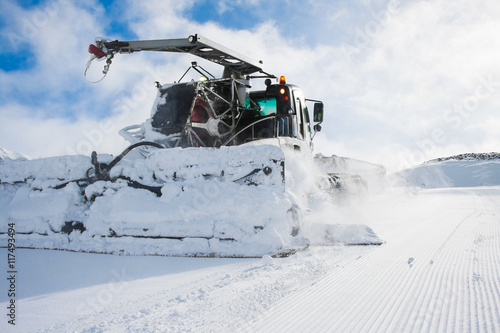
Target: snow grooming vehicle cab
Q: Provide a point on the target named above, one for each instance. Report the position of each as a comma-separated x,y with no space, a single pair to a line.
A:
218,170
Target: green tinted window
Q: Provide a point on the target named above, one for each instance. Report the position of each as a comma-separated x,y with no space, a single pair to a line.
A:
267,105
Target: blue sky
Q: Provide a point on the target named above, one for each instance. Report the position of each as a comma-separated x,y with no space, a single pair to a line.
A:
403,81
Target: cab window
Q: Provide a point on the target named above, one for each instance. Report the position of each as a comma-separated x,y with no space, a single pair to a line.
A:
267,106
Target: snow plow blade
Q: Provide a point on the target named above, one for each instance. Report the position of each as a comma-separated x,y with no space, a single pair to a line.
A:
169,203
176,202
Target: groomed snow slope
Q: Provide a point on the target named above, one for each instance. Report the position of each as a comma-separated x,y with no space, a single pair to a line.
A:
439,270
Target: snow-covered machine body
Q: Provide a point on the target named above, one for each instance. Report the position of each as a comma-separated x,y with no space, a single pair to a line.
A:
218,170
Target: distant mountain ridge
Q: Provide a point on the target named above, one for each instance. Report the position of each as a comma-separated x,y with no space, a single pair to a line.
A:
10,155
469,157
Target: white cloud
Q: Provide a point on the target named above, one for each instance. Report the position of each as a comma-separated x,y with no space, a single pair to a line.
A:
224,6
409,75
402,81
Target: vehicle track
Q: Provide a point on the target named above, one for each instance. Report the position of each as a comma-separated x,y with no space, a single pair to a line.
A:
440,274
215,300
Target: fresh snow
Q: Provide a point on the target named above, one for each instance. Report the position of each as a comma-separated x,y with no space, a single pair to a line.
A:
438,270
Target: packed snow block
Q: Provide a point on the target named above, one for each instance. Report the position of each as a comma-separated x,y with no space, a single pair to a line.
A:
200,209
43,211
54,170
257,165
36,241
140,246
28,200
130,211
212,214
113,245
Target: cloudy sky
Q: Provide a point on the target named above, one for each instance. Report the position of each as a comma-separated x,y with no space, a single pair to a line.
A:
403,81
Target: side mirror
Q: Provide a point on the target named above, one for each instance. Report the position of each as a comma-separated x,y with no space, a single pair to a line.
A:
318,112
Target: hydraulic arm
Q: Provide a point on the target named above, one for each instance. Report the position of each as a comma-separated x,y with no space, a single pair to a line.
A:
194,44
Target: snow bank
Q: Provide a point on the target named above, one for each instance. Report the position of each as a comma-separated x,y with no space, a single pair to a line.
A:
55,169
466,170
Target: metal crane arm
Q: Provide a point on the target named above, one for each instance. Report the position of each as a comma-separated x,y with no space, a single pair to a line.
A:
194,44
